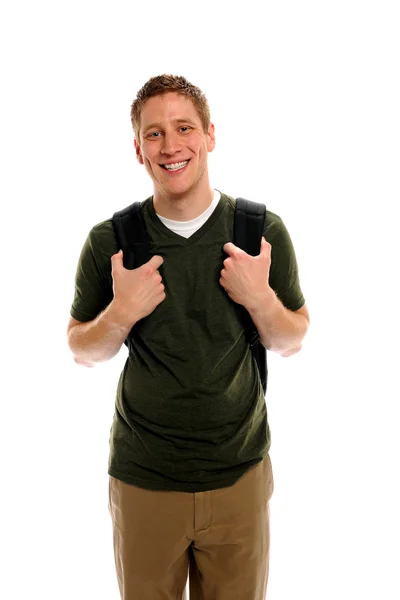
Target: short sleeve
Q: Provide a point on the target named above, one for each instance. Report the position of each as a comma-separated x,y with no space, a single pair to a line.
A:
284,272
93,280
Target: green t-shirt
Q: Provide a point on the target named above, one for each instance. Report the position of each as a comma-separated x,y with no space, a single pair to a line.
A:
190,413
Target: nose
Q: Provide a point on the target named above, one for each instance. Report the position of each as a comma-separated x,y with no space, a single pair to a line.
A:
171,143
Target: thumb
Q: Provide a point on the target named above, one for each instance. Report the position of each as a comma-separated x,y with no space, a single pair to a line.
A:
264,246
117,257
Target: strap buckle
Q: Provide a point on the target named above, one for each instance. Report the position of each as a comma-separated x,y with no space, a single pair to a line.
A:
254,339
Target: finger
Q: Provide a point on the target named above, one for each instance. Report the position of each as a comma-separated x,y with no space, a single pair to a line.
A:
229,247
156,261
117,258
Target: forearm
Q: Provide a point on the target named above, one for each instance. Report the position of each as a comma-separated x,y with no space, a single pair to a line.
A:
101,339
281,330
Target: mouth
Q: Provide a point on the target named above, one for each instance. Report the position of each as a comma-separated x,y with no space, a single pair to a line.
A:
177,167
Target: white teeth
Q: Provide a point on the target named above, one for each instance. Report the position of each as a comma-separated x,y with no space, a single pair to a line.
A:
176,166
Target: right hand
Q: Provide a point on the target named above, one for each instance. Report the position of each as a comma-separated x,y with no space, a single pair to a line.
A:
137,292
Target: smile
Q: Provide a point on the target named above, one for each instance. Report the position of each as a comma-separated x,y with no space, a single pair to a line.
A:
175,167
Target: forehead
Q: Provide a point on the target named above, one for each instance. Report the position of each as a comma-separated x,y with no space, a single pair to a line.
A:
167,107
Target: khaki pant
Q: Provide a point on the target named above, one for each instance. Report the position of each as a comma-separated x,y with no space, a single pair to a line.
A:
221,537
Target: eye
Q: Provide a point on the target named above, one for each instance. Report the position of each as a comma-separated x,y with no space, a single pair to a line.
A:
155,133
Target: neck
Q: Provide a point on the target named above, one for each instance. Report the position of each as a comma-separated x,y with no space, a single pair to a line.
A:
183,207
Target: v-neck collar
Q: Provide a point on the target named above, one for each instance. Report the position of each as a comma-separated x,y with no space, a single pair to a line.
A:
197,234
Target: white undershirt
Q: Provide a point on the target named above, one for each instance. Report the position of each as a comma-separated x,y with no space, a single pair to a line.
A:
188,228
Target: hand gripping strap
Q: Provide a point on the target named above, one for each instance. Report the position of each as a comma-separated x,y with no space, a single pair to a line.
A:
131,235
248,231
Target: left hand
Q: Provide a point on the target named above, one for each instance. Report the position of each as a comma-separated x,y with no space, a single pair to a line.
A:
245,277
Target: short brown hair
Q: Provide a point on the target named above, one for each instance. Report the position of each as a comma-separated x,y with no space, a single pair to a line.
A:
162,84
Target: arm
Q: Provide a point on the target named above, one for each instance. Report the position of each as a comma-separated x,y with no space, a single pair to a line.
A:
98,340
266,287
137,293
281,330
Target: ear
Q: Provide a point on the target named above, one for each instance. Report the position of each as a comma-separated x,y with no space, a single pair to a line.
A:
138,152
211,138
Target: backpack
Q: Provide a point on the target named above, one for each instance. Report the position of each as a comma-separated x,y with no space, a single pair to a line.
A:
131,236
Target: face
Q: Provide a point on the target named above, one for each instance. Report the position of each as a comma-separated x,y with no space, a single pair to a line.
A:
171,133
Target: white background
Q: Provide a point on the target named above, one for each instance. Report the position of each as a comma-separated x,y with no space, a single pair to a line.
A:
305,100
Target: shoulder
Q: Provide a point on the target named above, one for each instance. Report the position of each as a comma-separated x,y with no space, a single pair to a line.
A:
104,229
274,226
102,239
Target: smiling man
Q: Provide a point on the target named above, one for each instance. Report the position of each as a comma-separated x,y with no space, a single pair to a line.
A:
190,476
173,146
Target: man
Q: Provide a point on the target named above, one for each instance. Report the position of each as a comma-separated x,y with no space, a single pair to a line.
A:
189,468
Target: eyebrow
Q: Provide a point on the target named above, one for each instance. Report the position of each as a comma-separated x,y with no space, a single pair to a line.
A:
158,125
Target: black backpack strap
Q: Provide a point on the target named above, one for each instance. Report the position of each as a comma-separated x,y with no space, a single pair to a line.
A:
131,235
249,226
